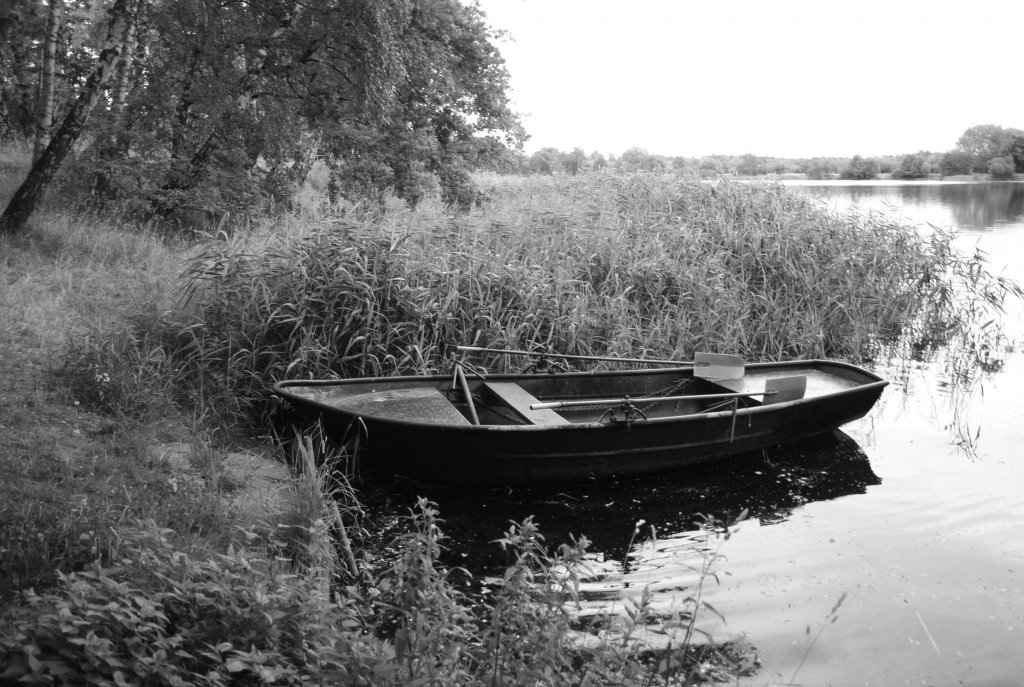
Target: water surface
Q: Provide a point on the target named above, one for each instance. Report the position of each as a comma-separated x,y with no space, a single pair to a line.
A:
970,206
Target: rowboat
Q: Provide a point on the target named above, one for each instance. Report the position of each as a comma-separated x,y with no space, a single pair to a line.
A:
578,426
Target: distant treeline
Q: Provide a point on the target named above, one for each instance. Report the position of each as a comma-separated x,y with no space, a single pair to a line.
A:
983,149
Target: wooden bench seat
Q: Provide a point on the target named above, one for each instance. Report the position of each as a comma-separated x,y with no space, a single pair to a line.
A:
519,400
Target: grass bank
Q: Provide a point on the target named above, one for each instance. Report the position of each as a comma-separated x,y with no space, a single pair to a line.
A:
119,338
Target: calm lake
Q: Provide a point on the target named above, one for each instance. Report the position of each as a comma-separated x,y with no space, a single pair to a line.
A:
913,513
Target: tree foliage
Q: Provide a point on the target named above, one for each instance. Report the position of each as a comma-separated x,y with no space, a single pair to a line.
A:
1017,153
545,161
226,105
638,159
984,142
955,162
819,168
751,165
123,18
913,166
573,161
1001,167
23,33
861,168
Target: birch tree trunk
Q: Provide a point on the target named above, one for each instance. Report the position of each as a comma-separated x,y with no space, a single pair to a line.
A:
6,131
124,68
44,120
122,17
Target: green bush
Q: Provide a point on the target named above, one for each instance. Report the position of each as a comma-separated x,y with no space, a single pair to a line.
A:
162,617
912,167
955,162
860,169
1001,167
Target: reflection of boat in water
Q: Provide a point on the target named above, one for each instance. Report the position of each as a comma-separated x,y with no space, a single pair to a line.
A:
670,570
769,485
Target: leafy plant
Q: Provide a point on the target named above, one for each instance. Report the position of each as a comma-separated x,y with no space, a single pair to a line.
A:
860,168
1001,167
160,616
528,638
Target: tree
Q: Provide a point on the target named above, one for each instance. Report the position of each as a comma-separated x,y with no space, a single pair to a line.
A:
819,168
955,162
638,159
39,40
1017,153
54,19
546,161
861,169
437,97
709,167
751,165
21,28
225,105
123,15
682,165
1001,167
572,162
911,167
983,142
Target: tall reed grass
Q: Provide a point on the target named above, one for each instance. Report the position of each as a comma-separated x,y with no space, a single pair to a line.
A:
599,264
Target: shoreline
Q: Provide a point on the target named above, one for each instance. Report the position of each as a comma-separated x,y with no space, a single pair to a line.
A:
886,179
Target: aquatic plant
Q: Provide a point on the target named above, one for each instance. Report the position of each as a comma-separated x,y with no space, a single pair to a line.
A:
601,264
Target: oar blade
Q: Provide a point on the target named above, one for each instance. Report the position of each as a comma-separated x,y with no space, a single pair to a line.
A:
782,389
715,366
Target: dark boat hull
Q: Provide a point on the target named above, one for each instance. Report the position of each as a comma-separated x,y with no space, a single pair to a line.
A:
535,454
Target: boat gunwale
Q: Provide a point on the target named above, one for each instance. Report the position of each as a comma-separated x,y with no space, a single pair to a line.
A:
879,383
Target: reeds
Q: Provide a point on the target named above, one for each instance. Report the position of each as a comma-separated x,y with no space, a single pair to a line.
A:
594,265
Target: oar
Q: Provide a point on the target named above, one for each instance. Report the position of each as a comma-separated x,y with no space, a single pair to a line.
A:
706,365
554,405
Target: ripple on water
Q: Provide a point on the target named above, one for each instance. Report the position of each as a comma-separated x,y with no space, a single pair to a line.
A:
928,555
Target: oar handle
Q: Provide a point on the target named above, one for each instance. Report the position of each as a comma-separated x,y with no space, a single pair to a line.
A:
554,405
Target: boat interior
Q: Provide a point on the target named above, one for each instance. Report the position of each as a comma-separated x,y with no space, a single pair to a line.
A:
552,400
499,403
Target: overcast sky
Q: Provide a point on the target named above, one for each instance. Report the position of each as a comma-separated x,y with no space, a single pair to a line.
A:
787,78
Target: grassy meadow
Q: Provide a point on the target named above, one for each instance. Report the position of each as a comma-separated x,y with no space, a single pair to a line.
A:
119,565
